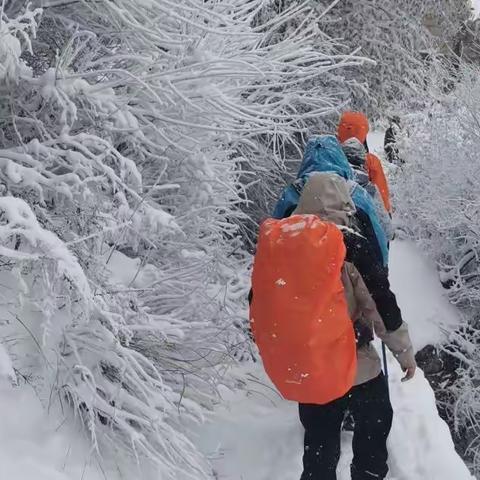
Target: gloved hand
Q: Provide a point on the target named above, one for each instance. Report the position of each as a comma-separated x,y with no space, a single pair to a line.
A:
409,373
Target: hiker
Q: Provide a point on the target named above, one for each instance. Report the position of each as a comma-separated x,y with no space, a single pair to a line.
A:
368,401
355,125
356,155
359,249
306,294
390,141
324,153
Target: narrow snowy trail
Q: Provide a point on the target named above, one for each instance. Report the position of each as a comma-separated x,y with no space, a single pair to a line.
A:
257,435
419,292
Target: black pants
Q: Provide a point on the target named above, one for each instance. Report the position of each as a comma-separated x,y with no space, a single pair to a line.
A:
372,413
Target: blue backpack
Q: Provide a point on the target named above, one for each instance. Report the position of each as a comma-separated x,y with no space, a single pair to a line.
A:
324,154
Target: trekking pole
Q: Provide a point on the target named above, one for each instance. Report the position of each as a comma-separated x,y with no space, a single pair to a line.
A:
385,366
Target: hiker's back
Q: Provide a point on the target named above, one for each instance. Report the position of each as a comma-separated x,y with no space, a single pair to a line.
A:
322,154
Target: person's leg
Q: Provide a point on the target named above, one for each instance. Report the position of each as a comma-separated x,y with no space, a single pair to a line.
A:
322,425
372,413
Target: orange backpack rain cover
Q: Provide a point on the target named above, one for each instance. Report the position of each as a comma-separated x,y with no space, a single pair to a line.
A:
377,177
299,315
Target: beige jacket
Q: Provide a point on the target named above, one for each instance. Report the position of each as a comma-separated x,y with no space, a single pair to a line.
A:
327,195
362,309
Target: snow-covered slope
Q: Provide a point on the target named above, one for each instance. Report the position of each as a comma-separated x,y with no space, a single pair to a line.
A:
257,436
34,447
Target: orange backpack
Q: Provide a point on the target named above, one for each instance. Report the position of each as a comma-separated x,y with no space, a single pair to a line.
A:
299,314
377,177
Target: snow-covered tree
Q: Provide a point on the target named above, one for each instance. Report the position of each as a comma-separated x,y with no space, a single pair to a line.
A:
467,42
395,35
132,133
438,204
441,149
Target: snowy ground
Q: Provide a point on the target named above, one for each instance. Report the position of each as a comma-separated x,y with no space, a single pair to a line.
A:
414,277
33,447
257,435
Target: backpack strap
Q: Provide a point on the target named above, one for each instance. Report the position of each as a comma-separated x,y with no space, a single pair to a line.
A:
298,185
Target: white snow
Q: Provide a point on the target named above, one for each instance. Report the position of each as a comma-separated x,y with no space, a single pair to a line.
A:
420,294
7,373
32,446
375,141
122,269
294,227
476,7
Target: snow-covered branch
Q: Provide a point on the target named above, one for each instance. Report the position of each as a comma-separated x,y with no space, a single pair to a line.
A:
133,137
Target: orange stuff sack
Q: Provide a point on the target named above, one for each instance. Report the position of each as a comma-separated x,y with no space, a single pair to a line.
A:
299,314
353,125
377,177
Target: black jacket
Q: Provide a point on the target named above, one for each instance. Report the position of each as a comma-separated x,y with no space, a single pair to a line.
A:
361,253
364,226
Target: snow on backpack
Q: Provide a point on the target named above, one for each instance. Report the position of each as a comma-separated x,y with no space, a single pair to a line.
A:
299,314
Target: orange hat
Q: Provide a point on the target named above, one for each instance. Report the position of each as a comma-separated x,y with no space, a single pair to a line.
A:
353,124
